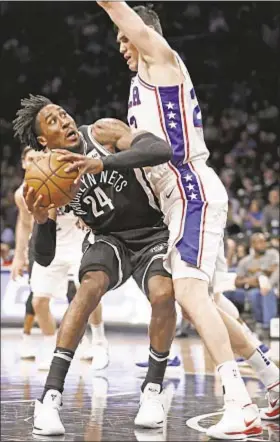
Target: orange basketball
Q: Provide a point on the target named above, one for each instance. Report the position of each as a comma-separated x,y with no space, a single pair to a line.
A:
48,177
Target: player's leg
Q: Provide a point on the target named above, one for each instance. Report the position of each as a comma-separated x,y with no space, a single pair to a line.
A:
97,349
156,282
227,306
193,261
266,369
101,269
43,282
26,347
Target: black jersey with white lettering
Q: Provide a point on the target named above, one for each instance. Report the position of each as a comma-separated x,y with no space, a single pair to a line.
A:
116,202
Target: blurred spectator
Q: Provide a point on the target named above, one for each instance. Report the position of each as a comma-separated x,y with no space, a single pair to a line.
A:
7,235
244,147
253,218
6,255
217,21
271,213
253,282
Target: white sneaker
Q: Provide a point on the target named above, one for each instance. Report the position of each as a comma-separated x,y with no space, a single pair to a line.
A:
100,356
237,423
272,412
26,348
47,421
152,411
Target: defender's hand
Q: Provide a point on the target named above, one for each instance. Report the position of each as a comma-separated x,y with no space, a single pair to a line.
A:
112,132
33,203
80,163
17,269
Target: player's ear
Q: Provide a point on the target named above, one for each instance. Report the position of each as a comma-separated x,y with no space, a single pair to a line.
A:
42,140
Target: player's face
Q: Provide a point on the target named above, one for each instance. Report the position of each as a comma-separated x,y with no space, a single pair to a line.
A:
57,128
128,51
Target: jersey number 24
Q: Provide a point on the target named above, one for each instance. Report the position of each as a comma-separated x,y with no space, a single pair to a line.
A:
102,200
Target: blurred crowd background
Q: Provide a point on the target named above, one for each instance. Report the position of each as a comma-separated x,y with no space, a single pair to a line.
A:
67,51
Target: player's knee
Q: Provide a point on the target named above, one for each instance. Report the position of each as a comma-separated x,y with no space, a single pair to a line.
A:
191,289
161,294
94,284
40,304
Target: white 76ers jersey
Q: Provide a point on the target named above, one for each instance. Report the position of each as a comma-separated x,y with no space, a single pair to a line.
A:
170,112
173,114
67,233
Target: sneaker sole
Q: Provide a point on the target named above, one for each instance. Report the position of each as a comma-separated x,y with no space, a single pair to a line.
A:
40,432
264,416
255,431
150,425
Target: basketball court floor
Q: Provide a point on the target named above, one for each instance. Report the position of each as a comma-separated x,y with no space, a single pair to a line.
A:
102,407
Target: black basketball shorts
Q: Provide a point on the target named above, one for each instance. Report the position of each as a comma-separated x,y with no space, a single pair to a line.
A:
111,255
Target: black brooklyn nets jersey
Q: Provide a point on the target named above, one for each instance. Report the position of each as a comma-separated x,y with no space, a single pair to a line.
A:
115,201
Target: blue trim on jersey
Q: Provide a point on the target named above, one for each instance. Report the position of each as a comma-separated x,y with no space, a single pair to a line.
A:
189,245
173,121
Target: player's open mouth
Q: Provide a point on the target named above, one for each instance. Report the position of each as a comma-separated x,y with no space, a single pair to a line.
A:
72,135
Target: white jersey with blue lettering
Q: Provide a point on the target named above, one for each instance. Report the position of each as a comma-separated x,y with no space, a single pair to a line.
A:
192,197
176,115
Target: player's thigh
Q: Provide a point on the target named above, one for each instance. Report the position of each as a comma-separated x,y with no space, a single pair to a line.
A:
49,281
149,272
107,255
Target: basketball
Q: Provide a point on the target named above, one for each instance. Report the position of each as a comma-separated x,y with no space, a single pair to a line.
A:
48,177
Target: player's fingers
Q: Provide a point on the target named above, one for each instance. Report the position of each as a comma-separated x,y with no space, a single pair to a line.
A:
70,157
51,206
29,198
37,203
77,165
77,181
72,167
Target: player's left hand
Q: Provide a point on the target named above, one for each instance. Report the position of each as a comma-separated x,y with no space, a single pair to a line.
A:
81,163
33,203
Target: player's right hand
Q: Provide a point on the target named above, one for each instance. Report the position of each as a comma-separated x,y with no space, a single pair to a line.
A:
40,213
17,268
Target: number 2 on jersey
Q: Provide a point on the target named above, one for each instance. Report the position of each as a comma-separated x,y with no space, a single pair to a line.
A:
102,199
197,117
133,122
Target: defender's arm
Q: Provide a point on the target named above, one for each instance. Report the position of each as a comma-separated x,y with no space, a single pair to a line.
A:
23,231
150,44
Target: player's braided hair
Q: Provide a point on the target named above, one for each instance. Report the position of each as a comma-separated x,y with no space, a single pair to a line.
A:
149,16
24,124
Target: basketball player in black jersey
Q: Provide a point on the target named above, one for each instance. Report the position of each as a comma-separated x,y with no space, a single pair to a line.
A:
130,239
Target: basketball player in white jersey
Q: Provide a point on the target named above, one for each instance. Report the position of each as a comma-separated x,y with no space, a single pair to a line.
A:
193,199
23,231
52,282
